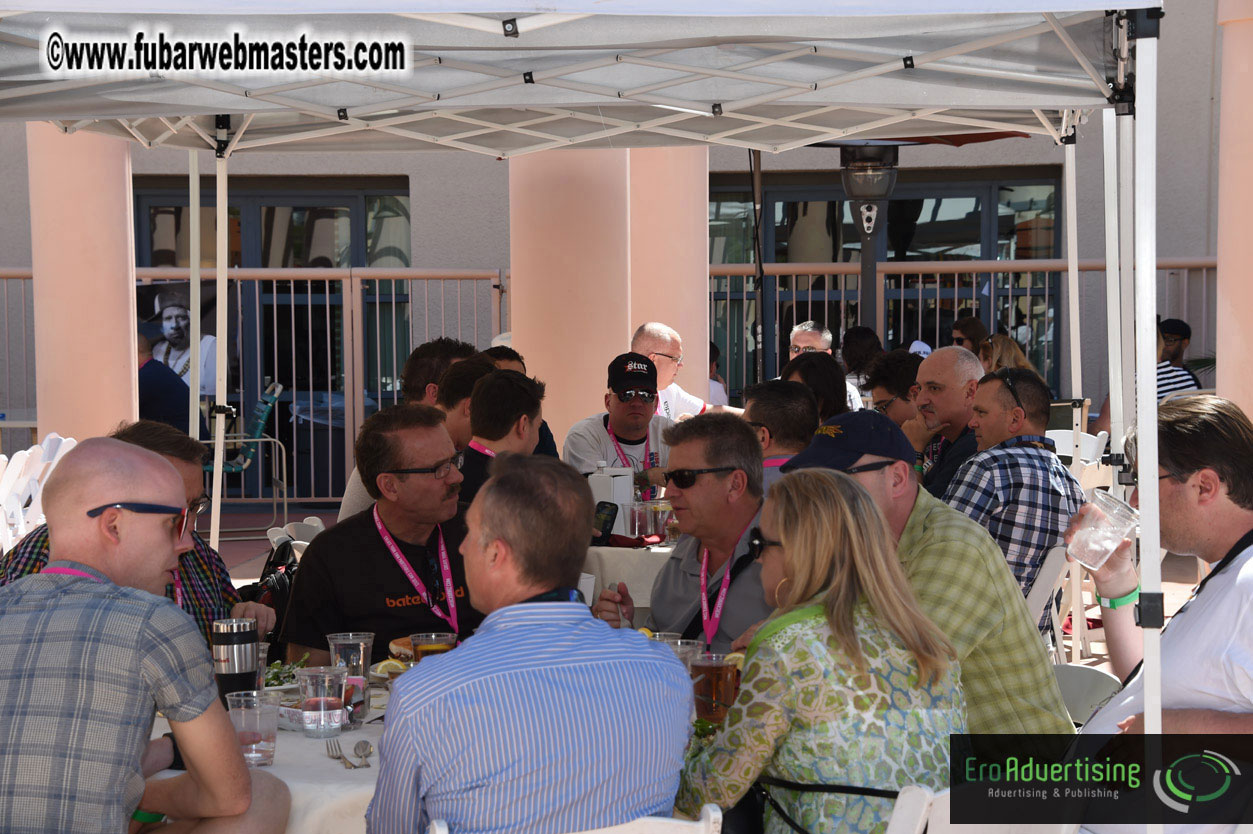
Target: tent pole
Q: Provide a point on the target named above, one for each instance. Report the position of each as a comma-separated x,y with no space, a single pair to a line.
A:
219,395
1146,368
1072,267
1113,294
1126,269
193,232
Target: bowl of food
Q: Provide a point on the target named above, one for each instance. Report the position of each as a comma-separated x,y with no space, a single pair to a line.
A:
281,677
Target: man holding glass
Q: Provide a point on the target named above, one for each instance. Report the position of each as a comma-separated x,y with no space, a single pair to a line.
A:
710,588
89,652
500,734
392,569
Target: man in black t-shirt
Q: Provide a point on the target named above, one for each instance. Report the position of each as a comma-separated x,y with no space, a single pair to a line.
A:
396,568
505,416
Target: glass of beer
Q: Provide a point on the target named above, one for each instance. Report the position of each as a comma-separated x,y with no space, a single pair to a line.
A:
715,681
425,645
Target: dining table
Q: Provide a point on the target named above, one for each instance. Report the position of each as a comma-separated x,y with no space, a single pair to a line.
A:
326,798
636,566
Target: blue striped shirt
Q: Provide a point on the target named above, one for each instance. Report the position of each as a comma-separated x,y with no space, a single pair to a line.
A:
545,721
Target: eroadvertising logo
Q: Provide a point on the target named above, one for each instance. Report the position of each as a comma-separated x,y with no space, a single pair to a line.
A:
1094,779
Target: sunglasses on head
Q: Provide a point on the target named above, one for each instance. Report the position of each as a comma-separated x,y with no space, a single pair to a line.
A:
1003,376
645,396
758,543
685,478
186,515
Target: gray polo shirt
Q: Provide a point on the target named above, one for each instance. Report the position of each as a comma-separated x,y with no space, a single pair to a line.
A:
676,592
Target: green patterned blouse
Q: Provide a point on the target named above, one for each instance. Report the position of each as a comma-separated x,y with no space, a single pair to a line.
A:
806,714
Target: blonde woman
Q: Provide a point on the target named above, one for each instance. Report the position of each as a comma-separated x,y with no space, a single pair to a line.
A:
847,684
1000,351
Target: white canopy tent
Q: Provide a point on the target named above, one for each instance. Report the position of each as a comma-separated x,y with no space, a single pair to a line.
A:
635,73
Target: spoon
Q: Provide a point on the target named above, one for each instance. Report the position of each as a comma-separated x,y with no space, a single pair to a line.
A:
363,750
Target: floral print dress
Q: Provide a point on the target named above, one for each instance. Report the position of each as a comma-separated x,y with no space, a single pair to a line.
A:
806,714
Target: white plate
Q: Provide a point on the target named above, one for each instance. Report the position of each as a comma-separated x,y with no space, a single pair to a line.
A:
287,687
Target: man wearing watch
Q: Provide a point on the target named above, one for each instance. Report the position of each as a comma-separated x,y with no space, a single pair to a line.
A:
1205,483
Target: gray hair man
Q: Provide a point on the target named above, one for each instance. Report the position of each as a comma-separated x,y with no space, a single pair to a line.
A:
941,433
811,337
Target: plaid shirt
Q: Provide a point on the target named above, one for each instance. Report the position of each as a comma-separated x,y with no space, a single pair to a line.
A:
208,594
962,583
83,665
1023,495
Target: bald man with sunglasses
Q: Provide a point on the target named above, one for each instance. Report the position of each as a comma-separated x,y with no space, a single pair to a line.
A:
629,432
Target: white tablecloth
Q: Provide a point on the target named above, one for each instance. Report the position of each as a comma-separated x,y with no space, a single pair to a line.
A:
325,798
637,567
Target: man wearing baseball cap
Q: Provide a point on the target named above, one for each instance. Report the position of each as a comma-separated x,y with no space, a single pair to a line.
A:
958,574
628,432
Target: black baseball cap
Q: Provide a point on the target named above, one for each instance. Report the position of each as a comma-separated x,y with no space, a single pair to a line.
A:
841,441
632,370
1175,327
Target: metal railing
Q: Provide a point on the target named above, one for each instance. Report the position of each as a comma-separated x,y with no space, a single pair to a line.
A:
920,300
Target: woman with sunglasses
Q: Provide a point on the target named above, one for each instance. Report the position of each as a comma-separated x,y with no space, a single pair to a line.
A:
848,684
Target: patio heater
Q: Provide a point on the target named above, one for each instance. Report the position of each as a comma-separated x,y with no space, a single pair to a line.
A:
869,175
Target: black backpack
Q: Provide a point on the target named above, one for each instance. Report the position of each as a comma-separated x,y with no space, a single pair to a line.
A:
274,589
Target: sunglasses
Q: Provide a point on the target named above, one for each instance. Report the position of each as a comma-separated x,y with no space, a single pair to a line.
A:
797,350
868,467
439,470
757,543
1003,376
186,515
685,478
645,396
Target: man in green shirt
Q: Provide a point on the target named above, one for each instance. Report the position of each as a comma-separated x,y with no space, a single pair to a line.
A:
959,575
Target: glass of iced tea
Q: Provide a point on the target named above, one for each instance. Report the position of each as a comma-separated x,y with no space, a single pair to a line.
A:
322,700
425,645
715,681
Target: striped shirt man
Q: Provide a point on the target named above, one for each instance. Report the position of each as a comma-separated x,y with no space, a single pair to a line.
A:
1171,378
207,591
545,721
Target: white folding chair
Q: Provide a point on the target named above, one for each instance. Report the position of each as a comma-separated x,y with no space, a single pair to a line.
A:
8,480
1091,446
1045,588
939,821
305,531
910,811
710,822
1084,689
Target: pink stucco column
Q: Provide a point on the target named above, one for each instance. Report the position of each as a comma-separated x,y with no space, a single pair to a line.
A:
670,251
1235,214
82,255
601,240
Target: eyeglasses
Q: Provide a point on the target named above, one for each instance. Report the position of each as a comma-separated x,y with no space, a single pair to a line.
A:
1135,479
678,360
199,504
868,467
797,350
185,515
883,406
439,470
685,478
646,397
757,543
1003,376
1172,340
960,340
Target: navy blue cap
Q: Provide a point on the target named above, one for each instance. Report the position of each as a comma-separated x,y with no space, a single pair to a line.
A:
841,441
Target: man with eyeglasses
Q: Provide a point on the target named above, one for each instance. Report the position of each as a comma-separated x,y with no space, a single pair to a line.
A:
629,432
710,587
893,385
947,380
811,337
958,574
393,569
1015,486
202,585
664,348
90,651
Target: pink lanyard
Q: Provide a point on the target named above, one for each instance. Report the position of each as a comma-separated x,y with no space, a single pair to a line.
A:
178,590
481,449
622,458
445,569
775,462
709,623
73,572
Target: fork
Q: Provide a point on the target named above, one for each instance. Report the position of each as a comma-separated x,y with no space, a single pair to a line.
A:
335,752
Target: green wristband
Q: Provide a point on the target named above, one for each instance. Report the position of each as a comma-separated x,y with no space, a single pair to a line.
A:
147,816
1119,602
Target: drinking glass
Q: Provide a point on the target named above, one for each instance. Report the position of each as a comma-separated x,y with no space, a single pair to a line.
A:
263,657
715,681
427,644
255,716
661,512
352,650
1105,525
322,699
688,650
